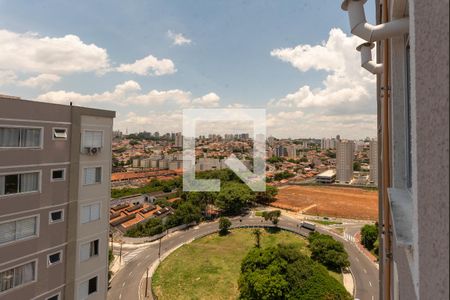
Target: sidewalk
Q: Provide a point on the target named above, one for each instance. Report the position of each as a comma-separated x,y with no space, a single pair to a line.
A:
348,282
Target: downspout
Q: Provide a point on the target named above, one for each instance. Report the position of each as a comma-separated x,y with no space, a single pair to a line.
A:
386,159
366,58
369,32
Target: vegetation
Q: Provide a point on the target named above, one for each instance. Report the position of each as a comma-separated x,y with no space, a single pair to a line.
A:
324,222
328,252
275,159
151,227
155,185
283,272
272,216
369,238
257,233
268,196
209,268
356,166
224,225
283,175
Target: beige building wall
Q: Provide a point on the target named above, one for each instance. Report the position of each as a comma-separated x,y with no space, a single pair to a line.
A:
344,161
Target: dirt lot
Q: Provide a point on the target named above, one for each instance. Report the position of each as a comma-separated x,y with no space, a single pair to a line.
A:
351,203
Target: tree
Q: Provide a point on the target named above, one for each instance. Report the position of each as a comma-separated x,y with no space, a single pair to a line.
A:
224,225
268,196
369,234
328,252
233,197
283,272
134,142
257,234
272,216
356,166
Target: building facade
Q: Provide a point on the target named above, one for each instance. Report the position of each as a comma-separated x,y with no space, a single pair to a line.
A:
373,161
55,166
412,71
344,161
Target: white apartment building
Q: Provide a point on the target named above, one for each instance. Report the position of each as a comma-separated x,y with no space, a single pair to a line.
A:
373,160
344,161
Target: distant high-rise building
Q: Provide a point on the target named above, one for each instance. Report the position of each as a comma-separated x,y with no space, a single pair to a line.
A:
55,194
373,160
156,134
344,160
280,151
178,140
291,151
327,143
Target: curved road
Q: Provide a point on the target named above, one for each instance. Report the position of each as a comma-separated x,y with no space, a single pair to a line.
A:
127,284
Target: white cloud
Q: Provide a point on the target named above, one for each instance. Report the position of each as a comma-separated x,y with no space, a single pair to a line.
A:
43,81
7,77
129,93
346,84
170,121
208,100
149,65
31,53
178,39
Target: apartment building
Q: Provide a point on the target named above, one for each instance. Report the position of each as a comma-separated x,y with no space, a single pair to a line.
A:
412,71
345,151
55,166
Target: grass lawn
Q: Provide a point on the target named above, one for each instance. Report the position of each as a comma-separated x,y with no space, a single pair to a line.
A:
209,268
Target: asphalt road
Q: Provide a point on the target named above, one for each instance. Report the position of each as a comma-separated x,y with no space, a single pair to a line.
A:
128,282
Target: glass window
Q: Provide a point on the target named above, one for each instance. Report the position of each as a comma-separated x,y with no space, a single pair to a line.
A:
89,250
92,285
54,258
11,184
55,297
58,175
59,133
92,175
90,213
17,276
18,229
20,137
56,216
93,139
19,183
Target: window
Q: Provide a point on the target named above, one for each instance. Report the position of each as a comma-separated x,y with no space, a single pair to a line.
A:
18,229
59,133
90,213
56,216
89,250
92,175
19,183
88,287
54,258
15,137
55,297
58,175
17,276
93,139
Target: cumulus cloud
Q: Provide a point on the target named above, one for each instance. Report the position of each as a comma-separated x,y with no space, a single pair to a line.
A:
7,77
130,92
149,65
345,103
150,121
178,39
346,83
42,81
31,53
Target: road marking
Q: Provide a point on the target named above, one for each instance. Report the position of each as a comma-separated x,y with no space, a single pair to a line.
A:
147,256
138,264
370,283
365,271
130,273
120,296
123,284
372,297
357,259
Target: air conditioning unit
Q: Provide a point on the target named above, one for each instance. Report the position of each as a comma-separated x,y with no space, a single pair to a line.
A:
92,150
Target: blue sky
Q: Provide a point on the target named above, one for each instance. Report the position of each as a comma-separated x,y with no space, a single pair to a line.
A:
228,61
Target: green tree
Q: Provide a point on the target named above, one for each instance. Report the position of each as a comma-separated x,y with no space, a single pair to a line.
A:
369,234
268,196
257,234
273,216
233,197
282,272
224,225
356,166
328,252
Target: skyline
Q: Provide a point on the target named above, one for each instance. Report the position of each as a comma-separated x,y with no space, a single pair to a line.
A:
163,57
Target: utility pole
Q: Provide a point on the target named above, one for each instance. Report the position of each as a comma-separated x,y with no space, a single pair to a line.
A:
146,285
159,250
120,253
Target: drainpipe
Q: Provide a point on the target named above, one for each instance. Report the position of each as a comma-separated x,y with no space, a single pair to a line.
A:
366,58
369,32
387,256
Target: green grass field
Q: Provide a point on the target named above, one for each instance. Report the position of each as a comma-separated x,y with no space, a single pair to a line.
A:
209,268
